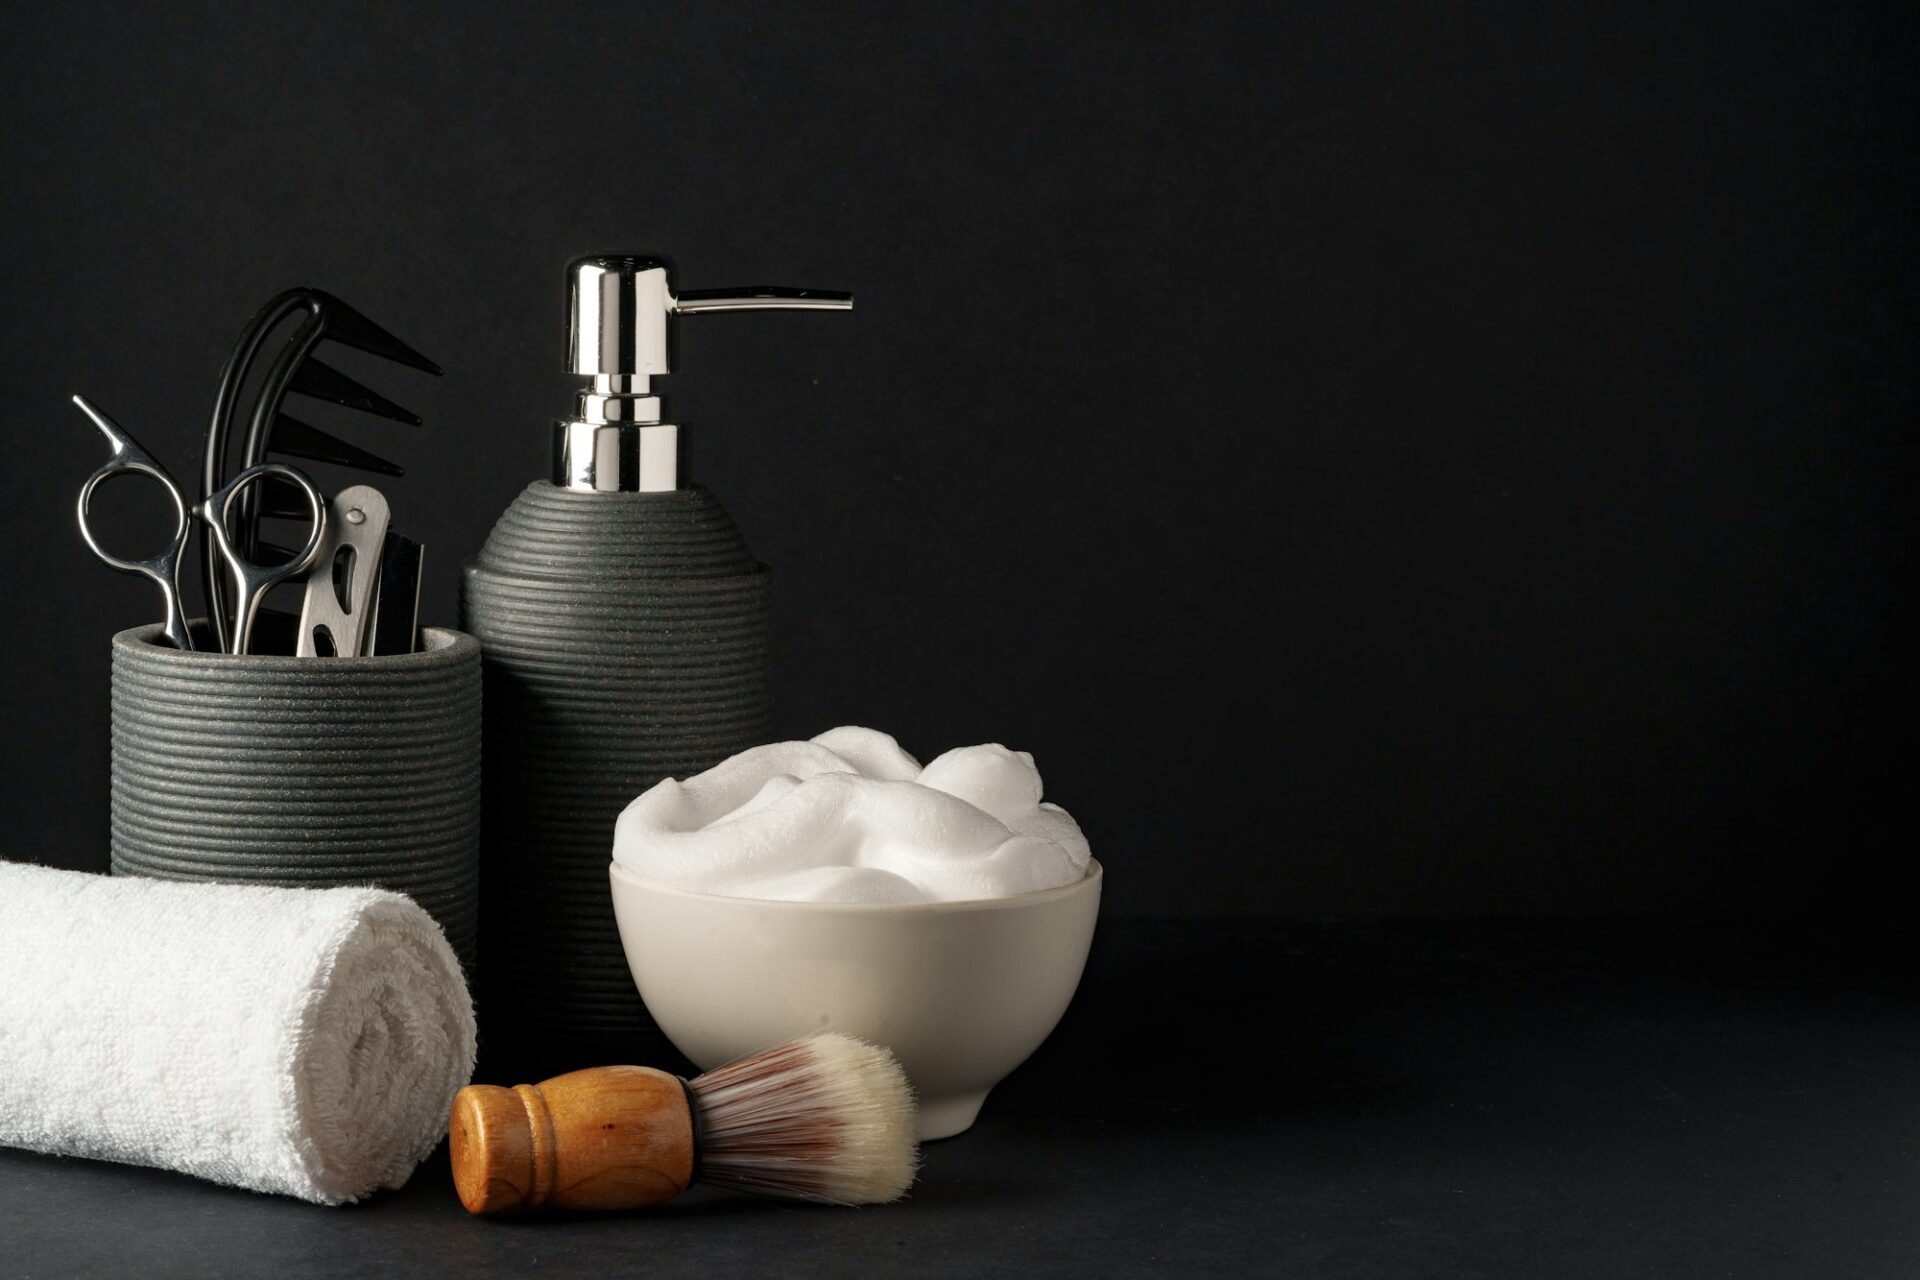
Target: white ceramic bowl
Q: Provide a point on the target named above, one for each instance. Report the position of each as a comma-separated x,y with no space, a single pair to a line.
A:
962,992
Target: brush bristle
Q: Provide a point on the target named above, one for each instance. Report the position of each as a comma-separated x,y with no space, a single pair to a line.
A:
828,1118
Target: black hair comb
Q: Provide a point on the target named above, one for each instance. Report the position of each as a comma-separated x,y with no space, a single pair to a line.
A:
294,371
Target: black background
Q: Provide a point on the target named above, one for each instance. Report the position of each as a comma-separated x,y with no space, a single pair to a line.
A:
1379,458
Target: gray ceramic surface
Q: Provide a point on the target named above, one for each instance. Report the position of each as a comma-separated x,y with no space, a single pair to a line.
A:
626,640
303,771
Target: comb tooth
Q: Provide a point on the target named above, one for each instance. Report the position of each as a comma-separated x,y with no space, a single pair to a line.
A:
290,435
274,630
282,499
323,382
347,326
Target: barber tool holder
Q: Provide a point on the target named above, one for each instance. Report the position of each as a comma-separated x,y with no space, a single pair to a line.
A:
298,771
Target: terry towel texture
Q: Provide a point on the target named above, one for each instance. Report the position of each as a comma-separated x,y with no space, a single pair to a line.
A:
301,1041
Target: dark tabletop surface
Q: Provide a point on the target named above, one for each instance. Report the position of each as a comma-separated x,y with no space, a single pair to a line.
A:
1255,1097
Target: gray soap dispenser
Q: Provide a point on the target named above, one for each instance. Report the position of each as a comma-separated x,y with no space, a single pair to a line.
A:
624,626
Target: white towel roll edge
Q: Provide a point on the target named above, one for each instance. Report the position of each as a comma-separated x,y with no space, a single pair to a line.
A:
301,1041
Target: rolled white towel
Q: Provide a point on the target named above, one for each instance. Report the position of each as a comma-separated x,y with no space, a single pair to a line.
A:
301,1041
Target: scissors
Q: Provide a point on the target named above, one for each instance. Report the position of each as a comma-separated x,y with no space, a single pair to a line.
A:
251,581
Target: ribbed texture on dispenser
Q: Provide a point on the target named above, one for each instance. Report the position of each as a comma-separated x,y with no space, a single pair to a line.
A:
626,640
303,771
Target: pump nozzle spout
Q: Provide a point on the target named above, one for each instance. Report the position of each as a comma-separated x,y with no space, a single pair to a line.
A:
621,336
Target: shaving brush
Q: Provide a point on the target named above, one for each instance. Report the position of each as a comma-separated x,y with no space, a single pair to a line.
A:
827,1118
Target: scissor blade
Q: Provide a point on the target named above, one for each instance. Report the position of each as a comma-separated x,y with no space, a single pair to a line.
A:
349,327
324,382
290,435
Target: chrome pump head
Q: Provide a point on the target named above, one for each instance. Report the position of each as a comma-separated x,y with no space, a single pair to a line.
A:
622,338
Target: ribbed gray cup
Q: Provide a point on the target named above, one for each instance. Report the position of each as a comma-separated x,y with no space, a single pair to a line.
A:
303,771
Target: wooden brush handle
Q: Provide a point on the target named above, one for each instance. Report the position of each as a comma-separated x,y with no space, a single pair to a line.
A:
603,1138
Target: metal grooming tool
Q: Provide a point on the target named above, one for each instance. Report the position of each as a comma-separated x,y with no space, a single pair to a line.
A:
396,608
338,607
293,371
249,581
